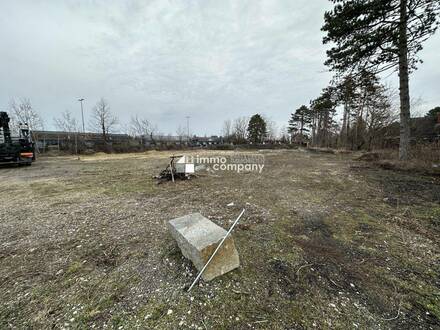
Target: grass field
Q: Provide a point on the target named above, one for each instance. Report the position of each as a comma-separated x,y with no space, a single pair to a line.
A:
325,242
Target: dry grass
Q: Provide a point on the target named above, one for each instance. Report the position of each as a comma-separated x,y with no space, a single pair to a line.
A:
424,159
325,243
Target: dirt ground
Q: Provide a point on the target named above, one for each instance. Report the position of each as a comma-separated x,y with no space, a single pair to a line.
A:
326,242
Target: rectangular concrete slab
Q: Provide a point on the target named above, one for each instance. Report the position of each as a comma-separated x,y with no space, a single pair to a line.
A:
197,238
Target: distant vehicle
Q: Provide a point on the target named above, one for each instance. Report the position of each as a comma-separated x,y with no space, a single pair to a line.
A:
15,150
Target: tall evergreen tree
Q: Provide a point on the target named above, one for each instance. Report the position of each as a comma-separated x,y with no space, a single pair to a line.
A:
323,110
346,96
256,130
292,127
434,113
299,122
368,87
378,35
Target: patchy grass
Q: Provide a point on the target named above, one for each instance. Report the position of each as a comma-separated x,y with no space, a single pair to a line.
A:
325,242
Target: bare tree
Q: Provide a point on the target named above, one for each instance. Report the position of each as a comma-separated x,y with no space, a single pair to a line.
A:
66,122
227,130
417,109
181,133
379,114
23,112
139,127
271,129
283,134
103,119
239,129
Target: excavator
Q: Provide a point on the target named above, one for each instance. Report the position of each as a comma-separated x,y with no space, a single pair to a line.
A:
15,149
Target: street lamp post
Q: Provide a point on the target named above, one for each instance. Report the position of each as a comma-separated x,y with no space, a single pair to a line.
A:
187,127
83,127
82,113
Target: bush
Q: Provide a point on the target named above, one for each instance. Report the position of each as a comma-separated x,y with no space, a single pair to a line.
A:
222,147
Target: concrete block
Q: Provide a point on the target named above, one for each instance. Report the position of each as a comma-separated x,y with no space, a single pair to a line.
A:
197,238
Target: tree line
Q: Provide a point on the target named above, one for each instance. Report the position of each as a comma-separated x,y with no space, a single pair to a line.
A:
102,120
257,129
369,37
367,109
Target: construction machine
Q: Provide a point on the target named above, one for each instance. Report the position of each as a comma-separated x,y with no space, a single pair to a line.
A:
15,149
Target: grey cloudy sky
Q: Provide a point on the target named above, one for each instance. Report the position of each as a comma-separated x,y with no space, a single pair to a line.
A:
166,59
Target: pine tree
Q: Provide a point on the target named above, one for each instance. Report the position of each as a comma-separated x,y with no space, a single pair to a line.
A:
256,130
377,35
367,88
346,96
323,111
434,113
299,122
292,127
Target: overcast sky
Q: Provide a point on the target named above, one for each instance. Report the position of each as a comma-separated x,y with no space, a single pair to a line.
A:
168,59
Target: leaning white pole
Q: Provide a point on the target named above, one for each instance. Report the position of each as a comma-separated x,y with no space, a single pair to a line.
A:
218,247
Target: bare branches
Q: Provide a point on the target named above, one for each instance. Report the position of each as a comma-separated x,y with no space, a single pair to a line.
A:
227,130
23,112
66,122
139,127
239,127
181,133
102,118
271,129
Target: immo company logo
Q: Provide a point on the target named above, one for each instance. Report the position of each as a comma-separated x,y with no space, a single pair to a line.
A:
236,162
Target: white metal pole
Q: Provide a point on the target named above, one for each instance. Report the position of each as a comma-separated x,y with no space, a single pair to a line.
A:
218,247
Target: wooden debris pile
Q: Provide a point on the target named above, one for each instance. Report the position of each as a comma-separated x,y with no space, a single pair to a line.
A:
176,169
